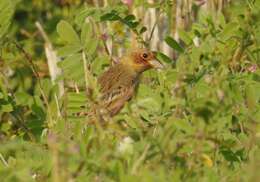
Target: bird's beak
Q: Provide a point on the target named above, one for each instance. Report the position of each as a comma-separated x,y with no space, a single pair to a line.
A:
156,64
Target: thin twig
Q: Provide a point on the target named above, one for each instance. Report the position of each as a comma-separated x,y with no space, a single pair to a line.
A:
87,74
3,160
140,159
29,59
79,169
42,32
152,32
106,48
36,74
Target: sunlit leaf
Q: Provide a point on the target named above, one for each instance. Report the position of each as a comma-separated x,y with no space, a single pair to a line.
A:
164,58
112,16
185,37
86,33
6,108
174,44
68,50
67,33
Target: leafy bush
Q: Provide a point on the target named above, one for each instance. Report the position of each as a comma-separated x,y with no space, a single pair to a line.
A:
198,119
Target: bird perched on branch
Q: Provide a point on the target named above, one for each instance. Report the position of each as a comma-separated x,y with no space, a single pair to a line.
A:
118,83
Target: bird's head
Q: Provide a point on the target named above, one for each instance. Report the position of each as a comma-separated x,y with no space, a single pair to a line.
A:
141,60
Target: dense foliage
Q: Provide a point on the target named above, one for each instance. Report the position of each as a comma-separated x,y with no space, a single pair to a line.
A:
196,120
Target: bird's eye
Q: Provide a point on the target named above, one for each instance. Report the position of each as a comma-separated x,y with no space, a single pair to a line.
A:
145,55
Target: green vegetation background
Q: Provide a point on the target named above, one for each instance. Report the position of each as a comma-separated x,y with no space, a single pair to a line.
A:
197,120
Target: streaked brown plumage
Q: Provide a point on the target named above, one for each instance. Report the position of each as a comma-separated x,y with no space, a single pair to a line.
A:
118,83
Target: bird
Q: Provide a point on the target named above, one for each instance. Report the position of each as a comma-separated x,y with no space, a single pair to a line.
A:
119,82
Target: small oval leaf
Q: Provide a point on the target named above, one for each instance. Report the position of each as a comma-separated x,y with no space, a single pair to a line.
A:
162,57
174,44
67,33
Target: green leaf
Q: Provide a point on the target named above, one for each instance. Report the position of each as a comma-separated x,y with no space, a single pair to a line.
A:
133,24
183,125
99,63
112,16
76,97
148,99
221,19
171,76
67,33
6,13
174,44
164,58
142,30
229,30
92,46
82,15
86,33
129,18
251,96
23,98
184,36
70,61
1,95
6,108
69,50
72,68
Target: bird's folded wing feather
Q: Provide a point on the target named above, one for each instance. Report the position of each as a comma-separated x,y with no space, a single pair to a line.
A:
117,87
114,100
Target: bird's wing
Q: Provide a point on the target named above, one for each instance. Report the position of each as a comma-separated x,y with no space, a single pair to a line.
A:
114,100
117,87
